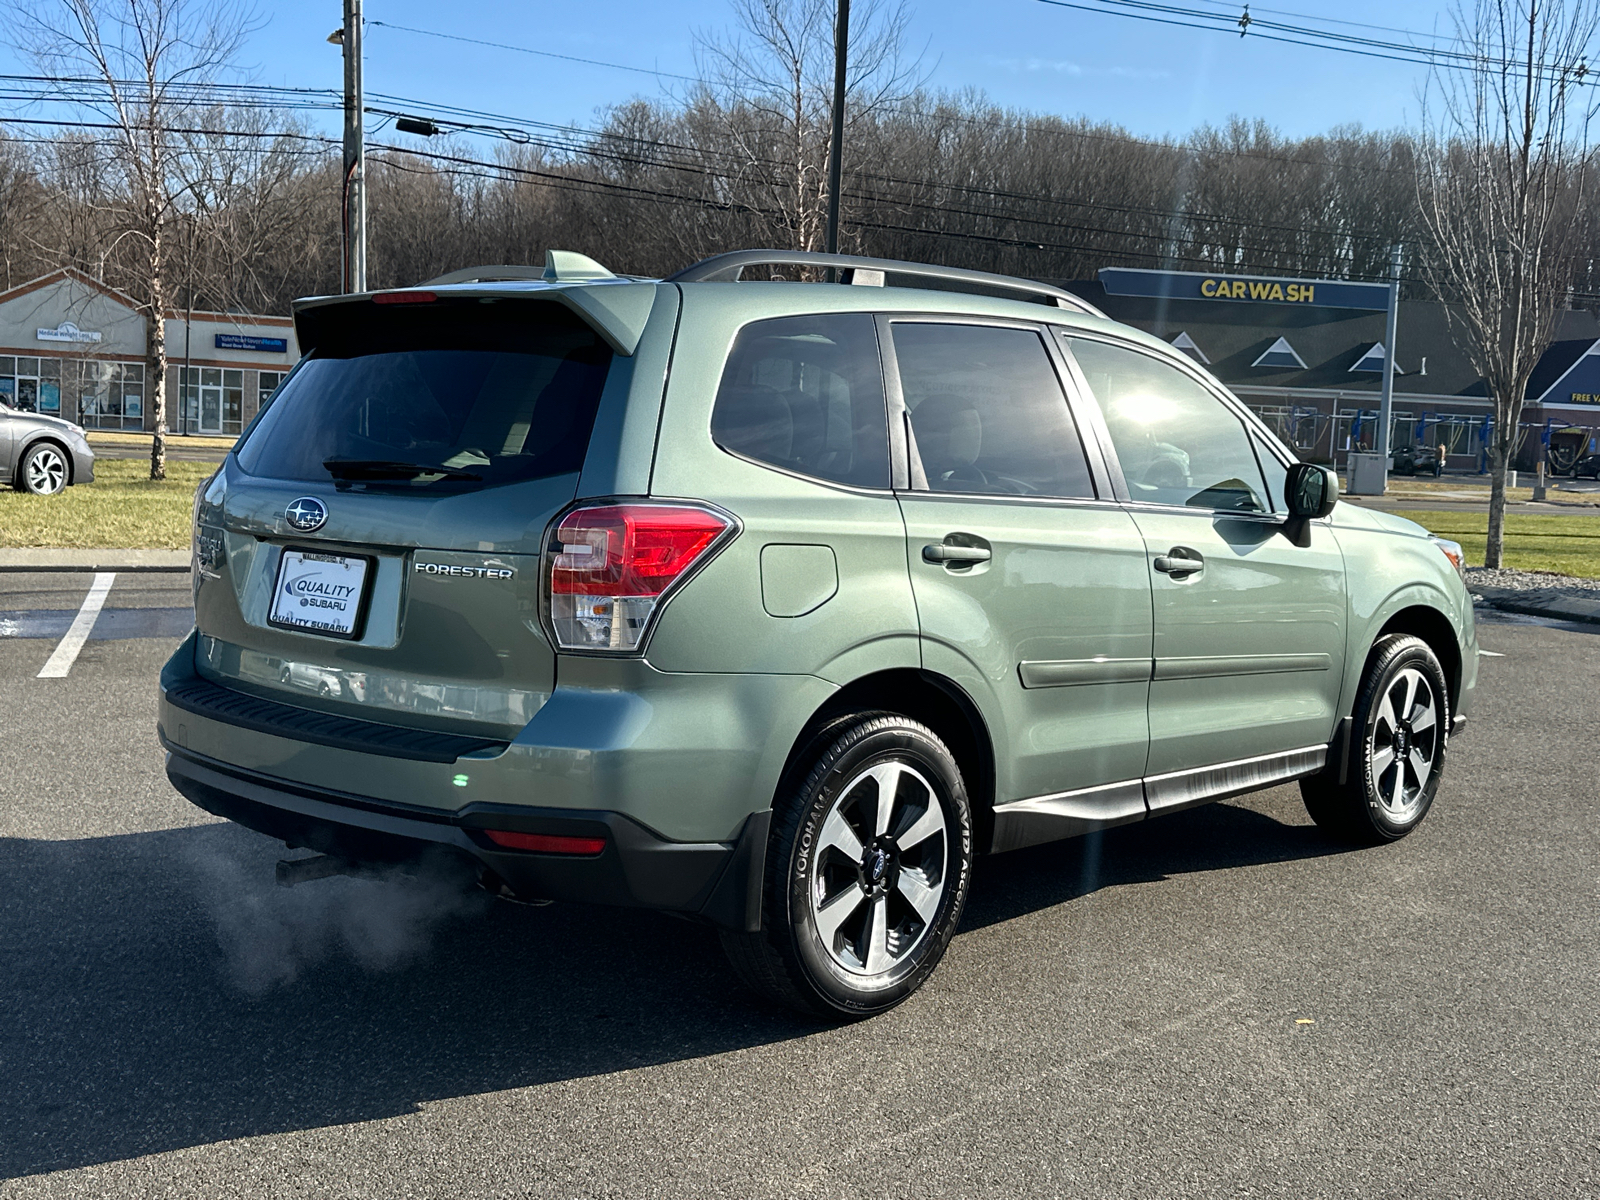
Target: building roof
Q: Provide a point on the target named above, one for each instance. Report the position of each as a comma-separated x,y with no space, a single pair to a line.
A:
69,273
1236,336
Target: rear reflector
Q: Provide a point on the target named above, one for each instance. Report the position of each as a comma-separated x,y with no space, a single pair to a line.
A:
404,298
611,565
545,843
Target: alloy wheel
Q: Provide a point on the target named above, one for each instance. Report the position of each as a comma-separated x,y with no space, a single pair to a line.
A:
1405,744
45,472
879,872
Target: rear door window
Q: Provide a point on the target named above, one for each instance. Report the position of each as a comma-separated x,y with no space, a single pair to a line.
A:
455,394
806,394
1178,443
987,411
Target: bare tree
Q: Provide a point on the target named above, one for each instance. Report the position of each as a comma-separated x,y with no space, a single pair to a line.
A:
772,84
1501,178
150,64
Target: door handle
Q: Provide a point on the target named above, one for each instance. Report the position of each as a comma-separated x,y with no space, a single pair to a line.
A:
1180,560
943,553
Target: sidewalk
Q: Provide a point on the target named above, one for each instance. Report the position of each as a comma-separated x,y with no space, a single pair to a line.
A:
46,559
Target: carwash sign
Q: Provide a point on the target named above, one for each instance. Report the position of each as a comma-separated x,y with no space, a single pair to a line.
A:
1245,289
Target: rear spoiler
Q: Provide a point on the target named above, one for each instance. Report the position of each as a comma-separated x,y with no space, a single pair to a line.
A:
618,311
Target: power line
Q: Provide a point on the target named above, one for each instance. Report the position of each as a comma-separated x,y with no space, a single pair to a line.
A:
1283,12
1191,18
593,62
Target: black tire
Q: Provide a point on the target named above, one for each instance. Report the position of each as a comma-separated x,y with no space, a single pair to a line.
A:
808,872
45,470
1385,794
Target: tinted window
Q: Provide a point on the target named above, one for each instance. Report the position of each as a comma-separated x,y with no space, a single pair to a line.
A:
988,412
806,394
1177,443
503,390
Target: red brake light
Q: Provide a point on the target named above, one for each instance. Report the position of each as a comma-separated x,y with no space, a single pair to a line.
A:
404,298
611,565
545,843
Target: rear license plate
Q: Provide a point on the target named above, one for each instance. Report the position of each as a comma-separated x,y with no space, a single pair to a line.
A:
320,593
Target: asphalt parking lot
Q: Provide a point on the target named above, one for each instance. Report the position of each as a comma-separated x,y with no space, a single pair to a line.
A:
1220,1003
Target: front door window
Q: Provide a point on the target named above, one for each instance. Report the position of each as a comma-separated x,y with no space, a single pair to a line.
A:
1177,443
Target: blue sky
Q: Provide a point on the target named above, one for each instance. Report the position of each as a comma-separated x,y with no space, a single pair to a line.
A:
1153,79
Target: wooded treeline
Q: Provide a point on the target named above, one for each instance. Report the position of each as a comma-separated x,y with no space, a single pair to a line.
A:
950,179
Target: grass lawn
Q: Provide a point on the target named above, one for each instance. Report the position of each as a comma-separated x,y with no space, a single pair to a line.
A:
1562,544
174,440
121,509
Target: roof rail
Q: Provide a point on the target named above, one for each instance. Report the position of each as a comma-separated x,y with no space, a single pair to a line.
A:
726,268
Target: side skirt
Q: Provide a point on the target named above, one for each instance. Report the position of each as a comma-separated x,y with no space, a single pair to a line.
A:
1060,815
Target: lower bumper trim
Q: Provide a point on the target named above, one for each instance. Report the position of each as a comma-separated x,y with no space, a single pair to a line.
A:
716,881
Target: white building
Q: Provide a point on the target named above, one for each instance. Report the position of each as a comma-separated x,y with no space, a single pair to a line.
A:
73,347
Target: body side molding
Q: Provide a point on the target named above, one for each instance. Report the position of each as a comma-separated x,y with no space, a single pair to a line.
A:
1217,666
1074,672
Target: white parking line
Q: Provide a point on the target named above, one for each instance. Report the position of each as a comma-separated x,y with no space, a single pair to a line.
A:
1489,654
66,651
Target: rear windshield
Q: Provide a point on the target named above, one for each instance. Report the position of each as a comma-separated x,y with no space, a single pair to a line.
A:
455,394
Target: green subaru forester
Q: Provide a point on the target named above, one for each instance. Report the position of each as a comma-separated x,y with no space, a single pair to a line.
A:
773,603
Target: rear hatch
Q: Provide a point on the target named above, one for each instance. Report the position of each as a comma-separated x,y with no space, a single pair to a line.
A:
372,548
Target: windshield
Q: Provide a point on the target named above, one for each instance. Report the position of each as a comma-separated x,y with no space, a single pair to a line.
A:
455,394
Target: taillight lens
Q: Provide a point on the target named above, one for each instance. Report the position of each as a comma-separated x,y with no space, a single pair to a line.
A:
611,565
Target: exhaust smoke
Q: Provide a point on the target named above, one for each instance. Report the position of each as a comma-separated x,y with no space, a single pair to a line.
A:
270,935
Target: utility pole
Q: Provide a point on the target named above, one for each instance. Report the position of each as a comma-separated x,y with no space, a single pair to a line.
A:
353,207
841,54
1386,402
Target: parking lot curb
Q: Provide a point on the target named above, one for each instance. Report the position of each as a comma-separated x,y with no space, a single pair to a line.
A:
46,559
1557,604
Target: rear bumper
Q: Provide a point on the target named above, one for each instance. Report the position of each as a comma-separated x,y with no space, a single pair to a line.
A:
718,882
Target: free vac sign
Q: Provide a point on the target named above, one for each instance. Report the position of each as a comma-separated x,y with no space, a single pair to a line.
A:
1245,289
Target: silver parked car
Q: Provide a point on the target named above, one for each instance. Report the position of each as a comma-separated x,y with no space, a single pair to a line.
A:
43,455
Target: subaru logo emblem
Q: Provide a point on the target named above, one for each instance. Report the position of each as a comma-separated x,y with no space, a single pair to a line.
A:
306,514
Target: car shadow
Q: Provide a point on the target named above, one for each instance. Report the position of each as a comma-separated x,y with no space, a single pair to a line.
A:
1215,837
160,993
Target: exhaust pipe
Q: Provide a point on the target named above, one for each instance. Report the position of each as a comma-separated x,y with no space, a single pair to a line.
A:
294,871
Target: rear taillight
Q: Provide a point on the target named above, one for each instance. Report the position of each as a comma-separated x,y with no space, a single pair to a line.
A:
545,843
612,565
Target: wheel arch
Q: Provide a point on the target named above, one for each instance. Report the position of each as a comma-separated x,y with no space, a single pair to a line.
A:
1435,628
925,696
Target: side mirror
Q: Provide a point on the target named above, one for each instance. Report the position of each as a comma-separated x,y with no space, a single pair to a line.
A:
1309,492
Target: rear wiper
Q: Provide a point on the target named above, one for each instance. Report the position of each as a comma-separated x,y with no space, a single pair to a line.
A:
388,468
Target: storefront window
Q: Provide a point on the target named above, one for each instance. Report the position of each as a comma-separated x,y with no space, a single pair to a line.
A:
8,381
111,395
50,386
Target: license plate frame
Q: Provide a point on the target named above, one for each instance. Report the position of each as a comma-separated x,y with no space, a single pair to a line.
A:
296,558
